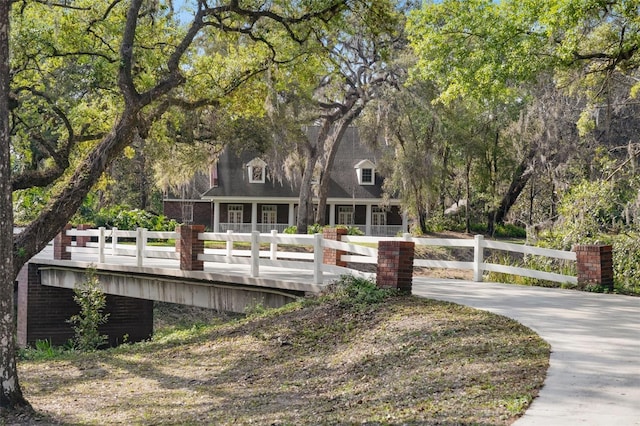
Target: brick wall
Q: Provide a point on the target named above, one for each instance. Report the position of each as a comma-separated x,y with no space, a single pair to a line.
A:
395,265
60,244
43,313
595,265
202,211
81,241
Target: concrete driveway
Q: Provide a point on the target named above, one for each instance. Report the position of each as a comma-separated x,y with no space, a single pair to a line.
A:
594,373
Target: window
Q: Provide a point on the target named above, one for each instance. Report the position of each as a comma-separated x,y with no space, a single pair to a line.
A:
367,176
270,214
366,172
257,170
235,213
378,216
187,213
345,215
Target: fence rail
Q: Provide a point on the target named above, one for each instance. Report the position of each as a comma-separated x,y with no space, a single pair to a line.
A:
276,250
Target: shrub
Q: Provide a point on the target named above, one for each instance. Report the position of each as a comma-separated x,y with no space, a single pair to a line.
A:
291,229
591,208
122,218
357,293
316,228
626,263
43,350
92,301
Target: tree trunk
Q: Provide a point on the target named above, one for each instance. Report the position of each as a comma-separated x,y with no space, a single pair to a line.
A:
467,210
10,393
518,183
56,215
305,200
443,179
333,142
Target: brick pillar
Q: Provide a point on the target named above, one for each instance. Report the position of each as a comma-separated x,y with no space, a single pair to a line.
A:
190,247
395,265
332,256
60,244
595,265
81,241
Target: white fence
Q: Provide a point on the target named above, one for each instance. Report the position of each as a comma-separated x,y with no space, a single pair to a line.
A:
249,249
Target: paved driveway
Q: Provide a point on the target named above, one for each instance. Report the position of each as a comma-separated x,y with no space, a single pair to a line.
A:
594,373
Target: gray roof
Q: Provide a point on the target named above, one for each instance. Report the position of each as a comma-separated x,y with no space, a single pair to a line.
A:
233,179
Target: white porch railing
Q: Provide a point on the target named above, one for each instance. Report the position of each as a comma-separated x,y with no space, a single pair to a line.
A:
374,230
267,249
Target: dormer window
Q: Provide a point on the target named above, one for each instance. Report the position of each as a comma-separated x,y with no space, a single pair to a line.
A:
366,172
367,176
257,170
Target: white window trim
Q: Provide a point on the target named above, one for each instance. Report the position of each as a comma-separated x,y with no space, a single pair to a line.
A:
365,165
252,166
378,216
345,212
370,179
269,214
235,208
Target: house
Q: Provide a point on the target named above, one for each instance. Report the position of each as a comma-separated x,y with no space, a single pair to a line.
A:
242,196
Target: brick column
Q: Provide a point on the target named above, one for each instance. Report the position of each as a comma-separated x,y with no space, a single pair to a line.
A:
332,256
595,265
190,247
395,265
60,244
81,241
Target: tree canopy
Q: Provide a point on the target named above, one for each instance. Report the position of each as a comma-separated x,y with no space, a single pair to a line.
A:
87,78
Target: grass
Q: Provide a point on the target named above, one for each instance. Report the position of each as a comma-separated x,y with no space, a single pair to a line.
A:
349,357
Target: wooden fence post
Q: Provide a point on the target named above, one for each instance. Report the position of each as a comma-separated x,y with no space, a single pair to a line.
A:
255,254
478,258
101,243
317,261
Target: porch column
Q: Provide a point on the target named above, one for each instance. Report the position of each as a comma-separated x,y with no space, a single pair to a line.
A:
405,222
216,216
367,221
292,214
332,214
254,216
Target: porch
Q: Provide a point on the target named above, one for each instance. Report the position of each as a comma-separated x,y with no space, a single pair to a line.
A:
370,218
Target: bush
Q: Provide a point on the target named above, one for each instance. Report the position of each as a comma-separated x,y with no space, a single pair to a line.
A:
358,293
626,263
43,350
316,228
291,229
92,301
122,218
592,208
